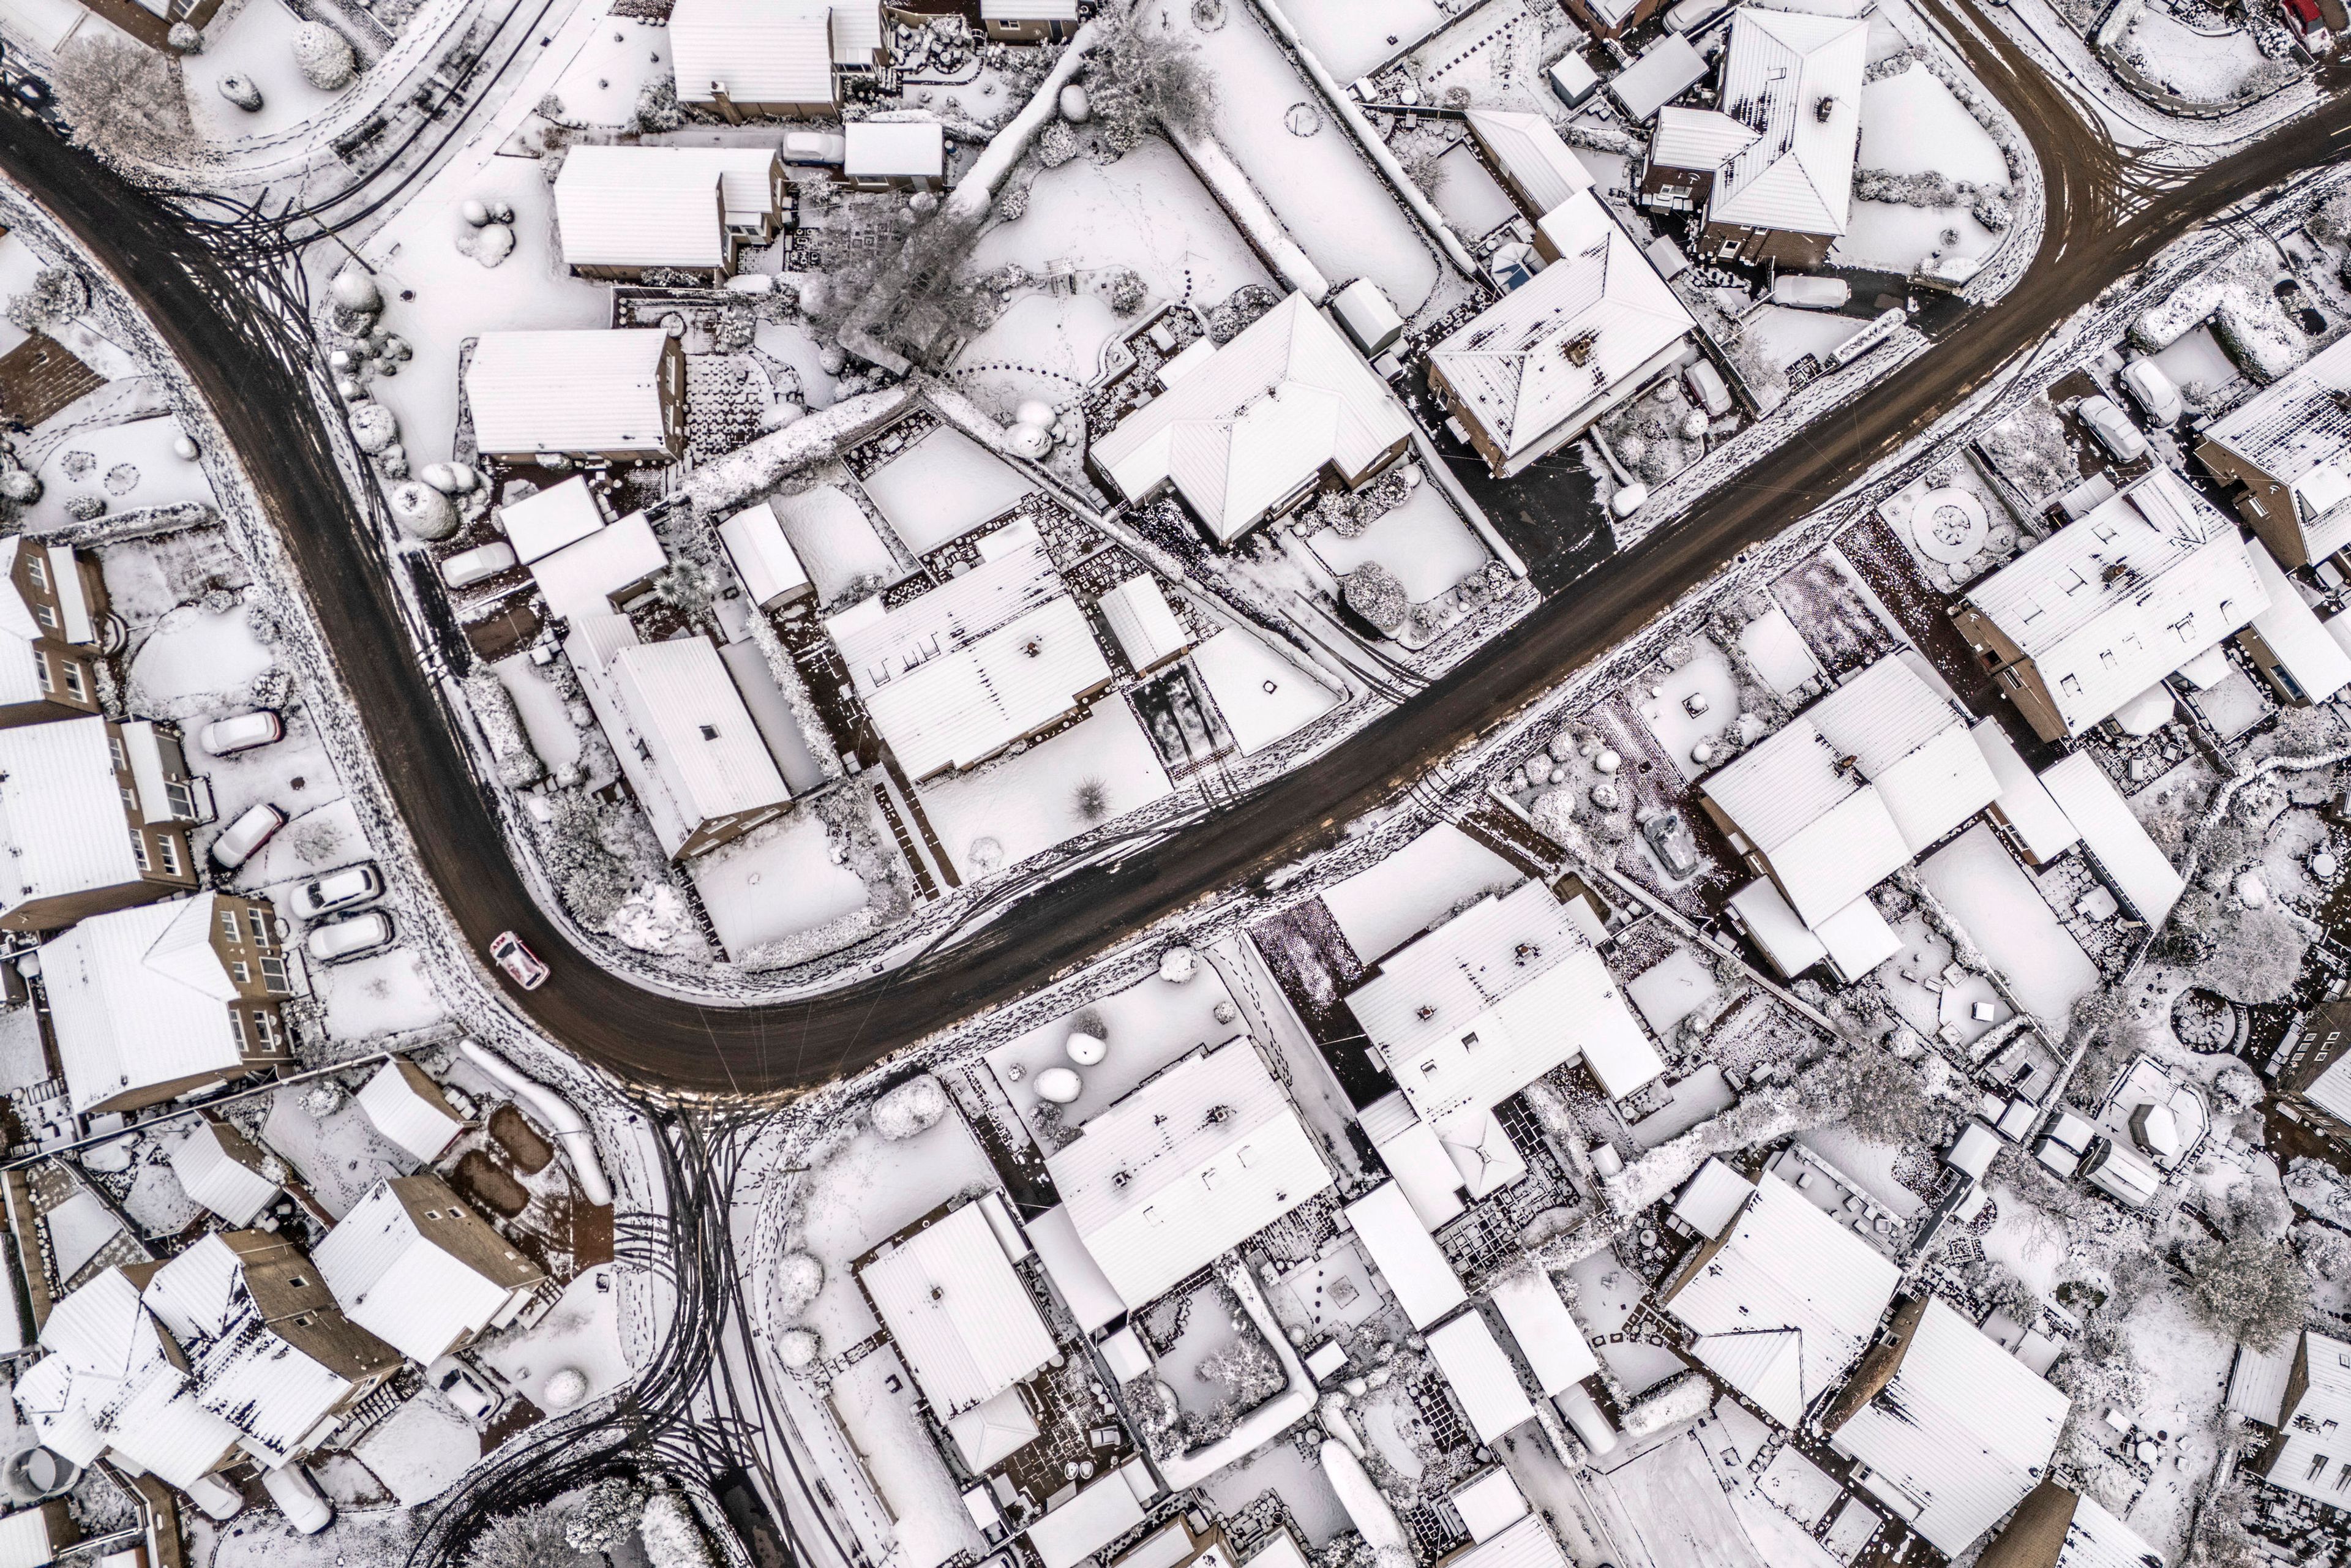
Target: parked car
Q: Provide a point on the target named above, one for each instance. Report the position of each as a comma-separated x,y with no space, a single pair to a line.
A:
219,1500
241,732
1691,14
480,564
299,1498
352,937
2103,418
814,147
243,838
1707,388
2152,391
461,1387
1669,838
521,964
336,890
1808,293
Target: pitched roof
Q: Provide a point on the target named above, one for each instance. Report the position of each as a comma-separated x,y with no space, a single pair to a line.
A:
221,1169
707,758
1795,80
966,1324
1483,1381
1146,629
1550,348
140,997
416,1268
2310,1454
1530,152
757,51
2305,651
1696,139
62,816
1407,1257
1255,420
1784,1305
110,1382
2297,430
566,391
640,207
1959,1435
2141,873
2112,603
409,1110
1546,1333
1195,1161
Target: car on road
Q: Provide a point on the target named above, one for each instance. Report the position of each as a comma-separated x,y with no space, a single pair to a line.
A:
459,1385
521,964
1670,841
2103,418
243,838
336,890
2153,391
352,937
241,732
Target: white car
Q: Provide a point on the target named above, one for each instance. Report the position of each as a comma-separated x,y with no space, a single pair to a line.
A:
243,838
352,937
479,564
219,1500
814,147
336,890
521,964
299,1498
2104,419
2153,391
1807,292
240,732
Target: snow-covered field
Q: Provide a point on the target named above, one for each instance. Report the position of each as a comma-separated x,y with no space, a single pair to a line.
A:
1028,803
1395,899
2203,68
1471,199
775,882
581,1331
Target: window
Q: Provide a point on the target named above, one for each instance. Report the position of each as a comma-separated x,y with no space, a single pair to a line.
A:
46,615
130,800
37,572
273,976
2318,1467
237,1028
41,668
183,800
121,761
139,850
265,1028
258,927
169,849
228,925
76,686
243,971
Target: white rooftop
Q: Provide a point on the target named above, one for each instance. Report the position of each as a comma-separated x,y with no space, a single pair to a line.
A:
61,816
220,1168
539,525
2142,874
2311,658
763,557
880,149
581,579
1530,150
1696,139
1794,79
2314,1421
755,51
139,996
640,207
1407,1256
1139,618
409,1108
1666,69
1481,1376
2024,802
586,390
2297,430
390,1273
956,1311
1546,1333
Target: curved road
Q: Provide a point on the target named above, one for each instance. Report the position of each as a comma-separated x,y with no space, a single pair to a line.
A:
2091,239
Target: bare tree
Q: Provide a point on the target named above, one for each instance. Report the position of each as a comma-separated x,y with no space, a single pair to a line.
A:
125,103
2250,1287
1139,80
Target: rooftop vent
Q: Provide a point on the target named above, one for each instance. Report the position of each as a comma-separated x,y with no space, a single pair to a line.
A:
1824,107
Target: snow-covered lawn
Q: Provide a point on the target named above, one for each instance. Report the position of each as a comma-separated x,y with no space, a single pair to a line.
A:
600,84
128,466
1786,334
1910,124
872,1190
581,1331
1262,696
388,993
339,1156
1671,989
834,539
1990,895
2203,68
1392,901
1320,184
1494,52
1777,654
2188,1370
1146,211
775,882
1471,199
1708,679
1303,1486
195,663
421,1449
1028,803
19,263
1884,237
1147,1026
1350,37
1425,542
943,487
2197,360
257,43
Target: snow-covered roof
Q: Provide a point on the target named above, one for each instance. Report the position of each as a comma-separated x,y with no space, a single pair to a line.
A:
1958,1436
2306,653
1857,939
25,1541
956,1311
1794,79
1791,945
1482,1378
221,1168
419,1270
1256,420
140,997
2257,1380
1526,1545
678,726
1666,69
582,580
110,1384
1696,139
2297,431
1530,152
1147,631
1079,1281
588,391
1712,1198
1028,10
1783,1303
1192,1163
763,557
1098,1515
994,1430
1477,1010
1407,1256
640,207
856,31
2096,1539
1546,1333
61,814
544,522
2111,604
2142,874
409,1110
1415,1156
1575,338
755,51
951,676
894,148
19,678
2311,1427
1842,796
2024,802
1490,1504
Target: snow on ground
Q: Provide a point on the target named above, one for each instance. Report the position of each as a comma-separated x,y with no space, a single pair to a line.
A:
2030,1241
1471,199
384,994
582,1331
553,736
339,1156
942,488
127,466
1991,898
1884,237
322,838
19,263
1606,1291
1494,53
1425,542
1390,902
868,1192
1262,696
257,43
1350,37
1302,1483
834,539
1146,211
1708,679
1867,1165
420,1450
2197,360
1671,989
2204,67
1319,184
1147,1026
1911,124
22,1063
196,662
48,23
1787,334
1778,654
600,84
775,882
1676,1509
1028,803
789,342
2187,1372
875,1403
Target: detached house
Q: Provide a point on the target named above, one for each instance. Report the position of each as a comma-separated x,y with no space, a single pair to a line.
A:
2287,453
94,816
2310,1452
754,58
588,396
54,630
626,211
149,1003
414,1266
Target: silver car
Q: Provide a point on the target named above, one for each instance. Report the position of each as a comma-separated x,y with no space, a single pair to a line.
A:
2106,419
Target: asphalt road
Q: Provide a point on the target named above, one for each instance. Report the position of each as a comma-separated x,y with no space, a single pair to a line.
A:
2092,237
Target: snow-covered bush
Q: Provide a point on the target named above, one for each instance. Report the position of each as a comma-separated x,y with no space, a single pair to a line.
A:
914,1106
1228,319
606,1516
1372,592
2028,448
373,427
85,509
2249,1287
494,709
1178,965
1091,800
1072,104
1127,291
798,1277
325,57
592,881
673,1537
532,1539
125,102
1991,209
797,1349
1013,200
657,106
487,245
1056,144
56,296
1139,79
424,512
184,38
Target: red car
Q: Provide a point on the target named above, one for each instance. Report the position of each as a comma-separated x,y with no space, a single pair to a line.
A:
521,964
